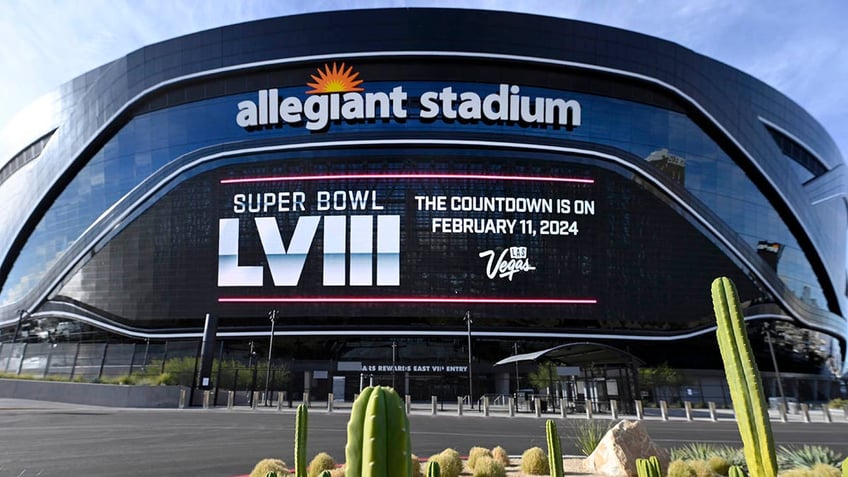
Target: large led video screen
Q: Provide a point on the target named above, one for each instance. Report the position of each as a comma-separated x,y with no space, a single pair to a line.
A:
409,240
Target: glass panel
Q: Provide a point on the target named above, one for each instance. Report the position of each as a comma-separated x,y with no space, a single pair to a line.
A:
667,139
62,359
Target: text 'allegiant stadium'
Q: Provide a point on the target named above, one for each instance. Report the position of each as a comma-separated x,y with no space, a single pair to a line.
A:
317,111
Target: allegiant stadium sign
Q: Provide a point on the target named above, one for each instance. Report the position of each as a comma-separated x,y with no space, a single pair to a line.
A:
336,96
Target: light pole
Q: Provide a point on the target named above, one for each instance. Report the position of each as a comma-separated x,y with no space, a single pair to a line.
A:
470,387
273,317
517,383
394,360
21,314
767,327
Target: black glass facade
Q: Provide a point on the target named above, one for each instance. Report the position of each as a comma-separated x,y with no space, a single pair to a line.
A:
412,202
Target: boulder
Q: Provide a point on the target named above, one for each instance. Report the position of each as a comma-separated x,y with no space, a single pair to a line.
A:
618,450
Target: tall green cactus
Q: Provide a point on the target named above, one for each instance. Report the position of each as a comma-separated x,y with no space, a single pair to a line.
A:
743,379
649,467
735,471
378,442
845,467
300,424
433,469
554,448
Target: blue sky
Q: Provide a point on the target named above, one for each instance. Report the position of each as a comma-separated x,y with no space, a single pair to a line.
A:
798,46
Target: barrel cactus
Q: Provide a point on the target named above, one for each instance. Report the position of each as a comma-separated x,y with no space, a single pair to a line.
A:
378,442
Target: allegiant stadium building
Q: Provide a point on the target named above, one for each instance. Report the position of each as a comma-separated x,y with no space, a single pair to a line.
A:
377,178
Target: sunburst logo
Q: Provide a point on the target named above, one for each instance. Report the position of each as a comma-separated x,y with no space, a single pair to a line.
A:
335,79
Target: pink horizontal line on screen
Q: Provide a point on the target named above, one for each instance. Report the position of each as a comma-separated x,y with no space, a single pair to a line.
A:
574,180
524,301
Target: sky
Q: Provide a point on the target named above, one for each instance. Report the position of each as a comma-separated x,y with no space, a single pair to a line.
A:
796,46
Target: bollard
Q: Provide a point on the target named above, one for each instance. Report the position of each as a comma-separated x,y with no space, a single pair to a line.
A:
640,413
511,406
330,402
281,398
207,397
588,410
485,405
664,410
687,405
826,412
231,399
459,405
538,405
713,414
782,409
408,402
434,402
182,403
845,412
306,400
562,408
614,408
805,411
255,400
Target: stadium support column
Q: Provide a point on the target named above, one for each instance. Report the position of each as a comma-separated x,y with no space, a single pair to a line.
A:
207,352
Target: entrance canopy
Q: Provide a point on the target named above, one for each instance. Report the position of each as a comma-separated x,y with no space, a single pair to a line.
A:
579,354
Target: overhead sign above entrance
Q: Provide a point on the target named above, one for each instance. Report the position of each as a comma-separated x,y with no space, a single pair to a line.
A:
336,96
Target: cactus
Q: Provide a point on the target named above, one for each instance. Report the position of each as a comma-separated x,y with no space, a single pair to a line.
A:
648,467
300,424
554,449
743,379
735,471
433,468
378,442
845,467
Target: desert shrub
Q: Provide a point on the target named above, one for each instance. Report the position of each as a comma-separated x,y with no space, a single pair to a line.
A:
500,454
450,464
818,470
701,468
485,466
798,473
534,461
806,457
588,434
826,470
269,465
695,451
837,403
719,465
321,462
416,466
475,454
338,472
679,468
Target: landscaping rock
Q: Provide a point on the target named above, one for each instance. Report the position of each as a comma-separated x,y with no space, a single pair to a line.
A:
617,452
